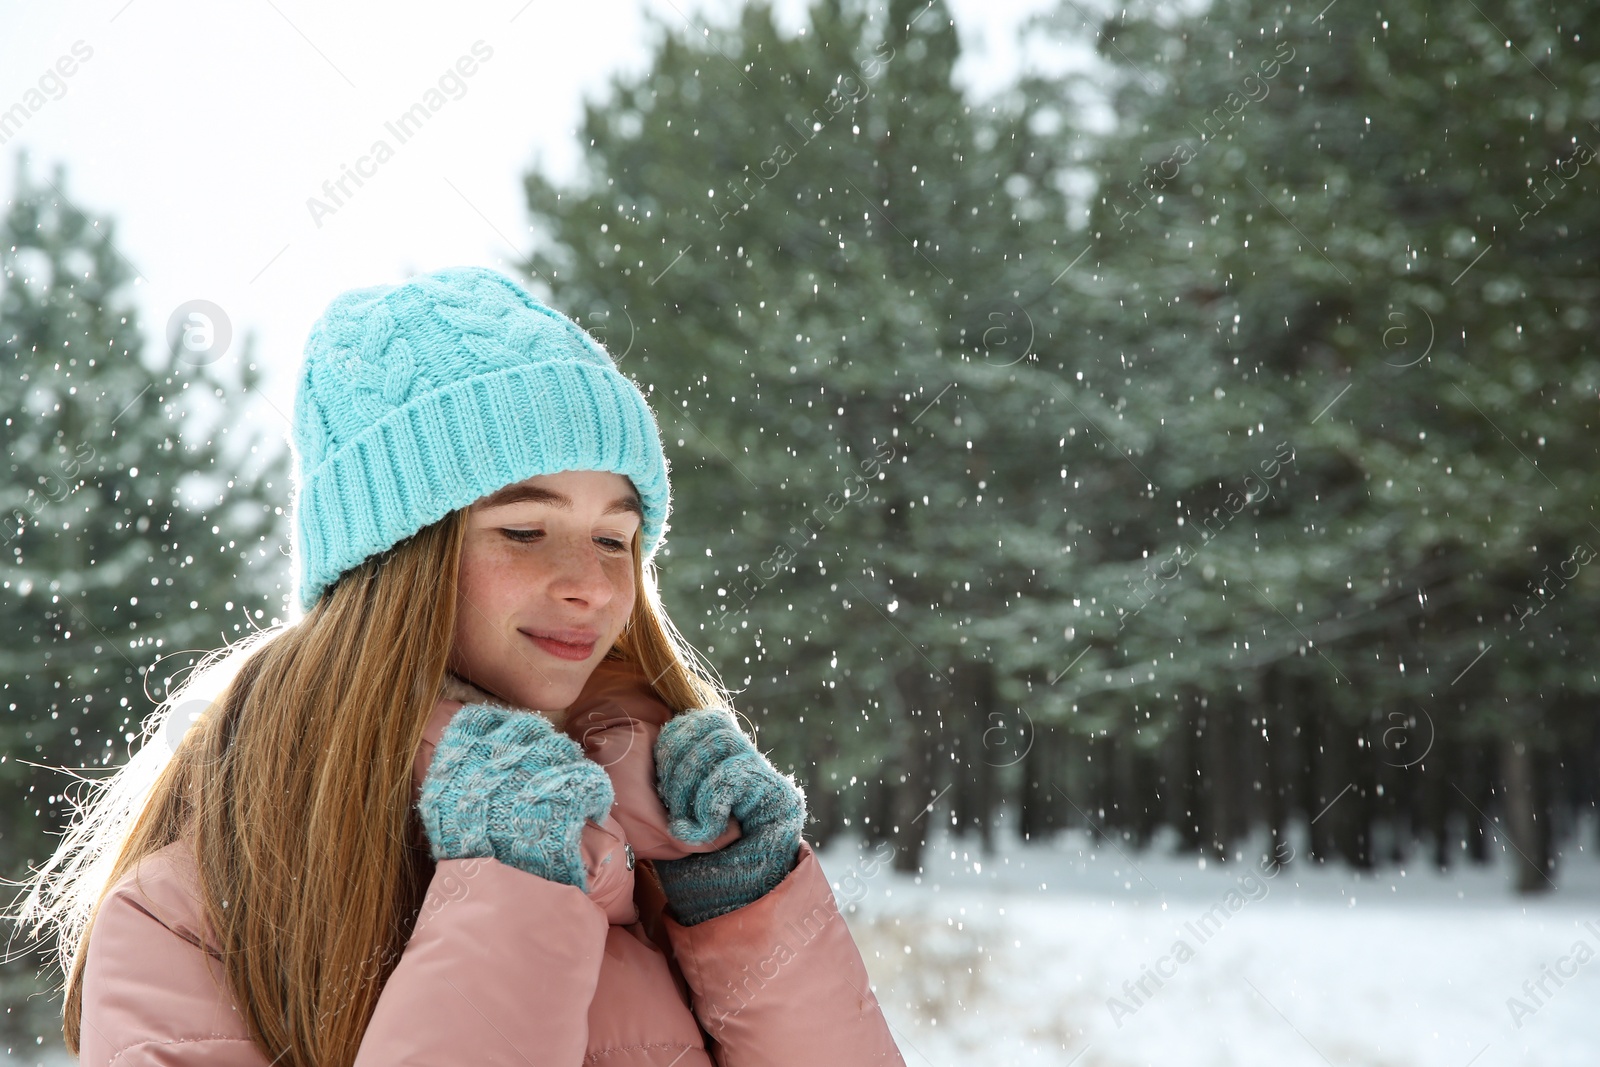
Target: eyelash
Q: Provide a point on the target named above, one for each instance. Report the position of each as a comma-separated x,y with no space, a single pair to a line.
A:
612,544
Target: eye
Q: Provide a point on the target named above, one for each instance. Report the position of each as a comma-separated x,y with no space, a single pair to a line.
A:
522,536
612,543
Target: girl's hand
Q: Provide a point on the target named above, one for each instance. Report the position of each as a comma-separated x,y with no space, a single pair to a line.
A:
707,769
504,783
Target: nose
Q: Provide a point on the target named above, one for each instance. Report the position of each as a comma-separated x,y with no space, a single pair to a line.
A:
577,574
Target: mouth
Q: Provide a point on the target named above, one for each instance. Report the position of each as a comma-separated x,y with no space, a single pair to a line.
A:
565,644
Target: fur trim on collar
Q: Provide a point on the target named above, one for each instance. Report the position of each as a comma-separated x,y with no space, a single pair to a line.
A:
457,688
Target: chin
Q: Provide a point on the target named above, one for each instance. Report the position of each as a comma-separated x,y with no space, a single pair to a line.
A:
554,698
559,686
532,680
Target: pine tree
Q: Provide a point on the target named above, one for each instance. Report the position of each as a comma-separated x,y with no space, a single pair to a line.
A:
1360,233
113,576
811,248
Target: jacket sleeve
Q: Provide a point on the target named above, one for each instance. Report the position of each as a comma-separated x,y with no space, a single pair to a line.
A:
500,969
780,981
151,994
501,965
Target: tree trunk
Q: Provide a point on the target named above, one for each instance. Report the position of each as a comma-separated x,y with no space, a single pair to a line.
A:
1185,771
1438,798
879,816
912,789
1319,790
822,792
1218,778
987,738
1090,797
1041,805
1144,794
1398,804
1352,815
985,692
1277,749
1477,790
1527,823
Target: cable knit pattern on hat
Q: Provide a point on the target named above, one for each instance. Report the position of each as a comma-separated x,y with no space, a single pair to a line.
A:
421,398
506,784
706,769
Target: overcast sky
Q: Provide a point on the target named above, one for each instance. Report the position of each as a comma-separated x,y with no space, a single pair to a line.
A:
202,129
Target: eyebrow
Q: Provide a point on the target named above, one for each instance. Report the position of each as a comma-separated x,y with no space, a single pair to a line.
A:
516,494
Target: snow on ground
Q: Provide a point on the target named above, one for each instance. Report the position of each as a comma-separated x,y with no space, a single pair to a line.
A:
1016,958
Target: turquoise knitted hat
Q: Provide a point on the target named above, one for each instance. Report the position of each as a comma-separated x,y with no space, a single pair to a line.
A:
421,398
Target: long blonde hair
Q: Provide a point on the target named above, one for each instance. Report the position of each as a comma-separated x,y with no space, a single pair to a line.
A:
295,786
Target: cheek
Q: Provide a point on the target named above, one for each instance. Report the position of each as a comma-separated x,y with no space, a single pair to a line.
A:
622,584
503,574
485,590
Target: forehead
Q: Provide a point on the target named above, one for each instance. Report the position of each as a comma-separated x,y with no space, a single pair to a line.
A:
558,491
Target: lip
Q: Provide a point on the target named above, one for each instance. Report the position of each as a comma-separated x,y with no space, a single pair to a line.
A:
565,644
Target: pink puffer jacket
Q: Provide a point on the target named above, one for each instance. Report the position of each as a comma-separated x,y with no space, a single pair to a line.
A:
507,967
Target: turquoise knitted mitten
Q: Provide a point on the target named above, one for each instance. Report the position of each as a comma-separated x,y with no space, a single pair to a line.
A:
707,769
507,784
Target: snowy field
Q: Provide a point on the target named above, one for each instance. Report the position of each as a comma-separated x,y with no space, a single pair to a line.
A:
1017,959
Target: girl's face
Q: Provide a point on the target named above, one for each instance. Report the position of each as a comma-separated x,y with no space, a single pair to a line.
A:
546,586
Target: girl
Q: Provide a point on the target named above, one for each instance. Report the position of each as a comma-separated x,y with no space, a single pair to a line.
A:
477,806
